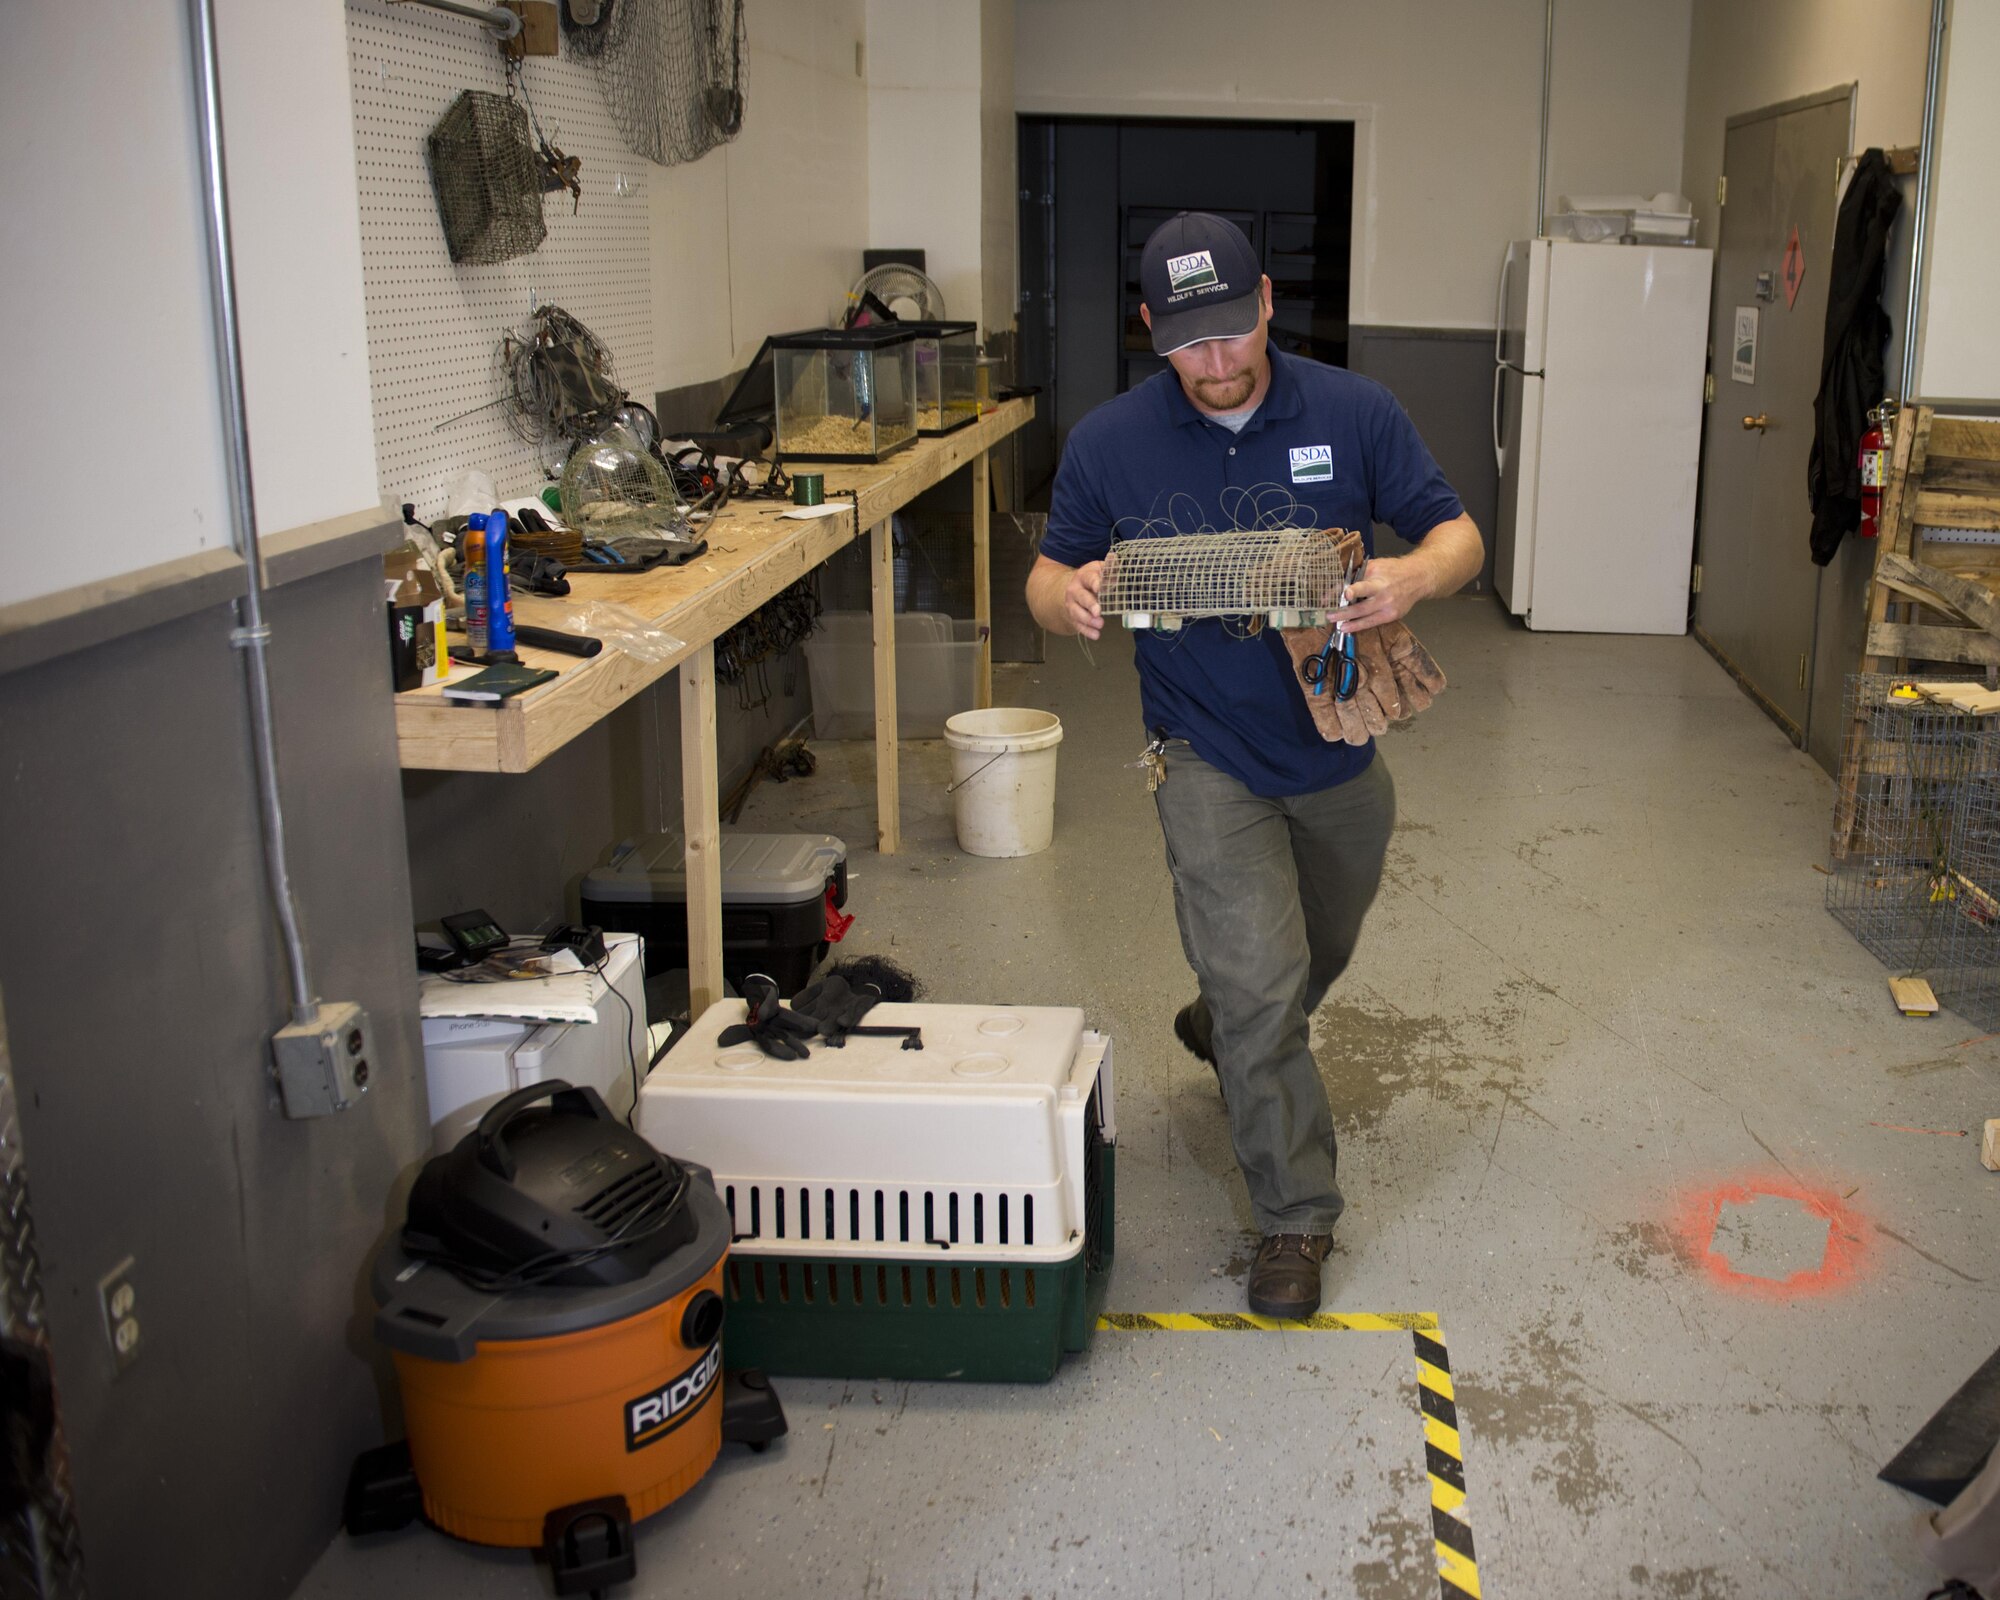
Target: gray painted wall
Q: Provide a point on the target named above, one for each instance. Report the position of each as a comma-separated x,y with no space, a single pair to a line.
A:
142,978
518,845
1444,378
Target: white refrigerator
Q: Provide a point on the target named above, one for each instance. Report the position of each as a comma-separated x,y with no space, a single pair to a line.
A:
1597,412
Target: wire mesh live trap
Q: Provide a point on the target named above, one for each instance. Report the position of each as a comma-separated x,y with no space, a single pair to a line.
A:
1919,882
489,189
1291,577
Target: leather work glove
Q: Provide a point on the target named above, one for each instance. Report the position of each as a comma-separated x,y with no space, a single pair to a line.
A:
1419,678
777,1032
1397,679
1335,718
835,1006
1378,676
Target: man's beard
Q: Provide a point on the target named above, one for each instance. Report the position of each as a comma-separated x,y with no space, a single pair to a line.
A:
1226,394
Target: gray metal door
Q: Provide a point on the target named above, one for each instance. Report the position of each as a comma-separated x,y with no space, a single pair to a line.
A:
1759,602
1036,317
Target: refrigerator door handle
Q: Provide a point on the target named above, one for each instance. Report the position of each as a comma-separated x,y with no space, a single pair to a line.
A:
1499,455
1500,307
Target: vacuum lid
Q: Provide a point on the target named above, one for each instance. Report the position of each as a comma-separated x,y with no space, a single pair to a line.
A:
561,1194
427,1311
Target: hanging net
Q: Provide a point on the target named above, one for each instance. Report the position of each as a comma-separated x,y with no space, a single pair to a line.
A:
670,71
488,184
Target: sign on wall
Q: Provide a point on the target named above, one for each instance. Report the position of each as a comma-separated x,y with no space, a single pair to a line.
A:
1743,348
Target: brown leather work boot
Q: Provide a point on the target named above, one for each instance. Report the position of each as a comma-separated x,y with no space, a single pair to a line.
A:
1284,1279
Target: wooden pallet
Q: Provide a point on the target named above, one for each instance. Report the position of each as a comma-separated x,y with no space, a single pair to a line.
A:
1933,602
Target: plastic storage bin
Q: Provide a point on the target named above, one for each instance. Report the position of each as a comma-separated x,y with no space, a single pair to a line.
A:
470,1062
937,663
938,1213
776,888
845,394
947,375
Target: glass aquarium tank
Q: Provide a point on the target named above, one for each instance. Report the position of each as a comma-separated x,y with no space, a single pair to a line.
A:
845,394
947,375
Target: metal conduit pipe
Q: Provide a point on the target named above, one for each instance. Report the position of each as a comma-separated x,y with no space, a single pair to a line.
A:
252,635
1548,87
1926,163
504,23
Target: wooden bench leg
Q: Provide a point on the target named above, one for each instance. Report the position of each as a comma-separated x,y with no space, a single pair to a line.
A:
888,813
702,824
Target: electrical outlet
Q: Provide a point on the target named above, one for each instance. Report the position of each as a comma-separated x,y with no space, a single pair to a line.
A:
119,1299
324,1065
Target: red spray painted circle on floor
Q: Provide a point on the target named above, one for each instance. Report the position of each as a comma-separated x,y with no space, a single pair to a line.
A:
1696,1217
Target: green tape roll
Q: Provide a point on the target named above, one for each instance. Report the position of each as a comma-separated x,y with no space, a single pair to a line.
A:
808,488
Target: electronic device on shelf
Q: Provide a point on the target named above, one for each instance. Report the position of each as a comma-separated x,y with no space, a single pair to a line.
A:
473,934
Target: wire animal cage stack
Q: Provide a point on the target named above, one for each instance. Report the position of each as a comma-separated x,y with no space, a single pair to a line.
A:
1919,886
1291,577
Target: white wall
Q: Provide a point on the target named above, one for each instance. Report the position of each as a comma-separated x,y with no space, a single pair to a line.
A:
1446,96
1959,358
765,234
941,151
924,133
106,270
1745,57
295,218
1000,206
1619,97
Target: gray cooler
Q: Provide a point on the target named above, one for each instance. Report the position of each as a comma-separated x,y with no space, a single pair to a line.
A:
776,888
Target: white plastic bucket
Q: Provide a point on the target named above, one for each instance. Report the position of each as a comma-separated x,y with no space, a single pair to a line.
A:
1003,779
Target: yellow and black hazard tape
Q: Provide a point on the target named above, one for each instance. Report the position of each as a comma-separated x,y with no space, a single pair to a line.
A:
1444,1457
1246,1322
1444,1454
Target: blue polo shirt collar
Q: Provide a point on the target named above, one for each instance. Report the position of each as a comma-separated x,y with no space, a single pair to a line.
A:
1282,401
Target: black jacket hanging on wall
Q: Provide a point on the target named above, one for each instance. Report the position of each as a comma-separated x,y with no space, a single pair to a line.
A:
1850,372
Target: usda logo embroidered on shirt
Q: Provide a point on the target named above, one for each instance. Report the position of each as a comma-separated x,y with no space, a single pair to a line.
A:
1195,271
1312,463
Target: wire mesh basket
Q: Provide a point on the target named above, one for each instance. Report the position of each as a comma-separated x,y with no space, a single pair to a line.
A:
1919,882
488,185
1290,576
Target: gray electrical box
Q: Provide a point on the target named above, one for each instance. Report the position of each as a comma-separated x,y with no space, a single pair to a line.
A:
324,1065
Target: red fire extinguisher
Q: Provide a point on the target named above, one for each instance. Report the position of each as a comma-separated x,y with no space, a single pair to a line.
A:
1875,464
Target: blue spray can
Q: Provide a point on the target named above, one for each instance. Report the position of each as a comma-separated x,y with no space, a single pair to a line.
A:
499,597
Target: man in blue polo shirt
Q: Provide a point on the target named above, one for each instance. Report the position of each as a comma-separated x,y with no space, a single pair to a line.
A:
1274,833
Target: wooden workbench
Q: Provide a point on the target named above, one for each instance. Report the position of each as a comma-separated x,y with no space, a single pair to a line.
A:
754,552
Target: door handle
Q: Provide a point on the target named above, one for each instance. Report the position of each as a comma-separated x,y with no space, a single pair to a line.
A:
1760,422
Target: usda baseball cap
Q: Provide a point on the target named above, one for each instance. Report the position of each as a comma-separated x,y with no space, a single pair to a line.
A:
1200,280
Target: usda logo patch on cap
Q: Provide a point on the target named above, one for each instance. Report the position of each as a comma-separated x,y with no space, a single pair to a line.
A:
1312,463
1196,271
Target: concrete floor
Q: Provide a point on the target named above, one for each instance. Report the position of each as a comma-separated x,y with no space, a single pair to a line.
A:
1618,1102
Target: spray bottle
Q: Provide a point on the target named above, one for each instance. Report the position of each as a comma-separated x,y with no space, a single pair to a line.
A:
499,597
489,603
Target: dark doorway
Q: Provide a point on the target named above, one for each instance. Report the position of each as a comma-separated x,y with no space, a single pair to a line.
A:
1092,189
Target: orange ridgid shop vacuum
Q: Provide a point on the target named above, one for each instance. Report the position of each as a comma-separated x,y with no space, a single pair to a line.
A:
553,1307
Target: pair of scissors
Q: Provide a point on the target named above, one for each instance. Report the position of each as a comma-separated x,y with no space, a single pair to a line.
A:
1347,676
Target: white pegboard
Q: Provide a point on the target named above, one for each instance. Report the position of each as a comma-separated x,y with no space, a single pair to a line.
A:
434,329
